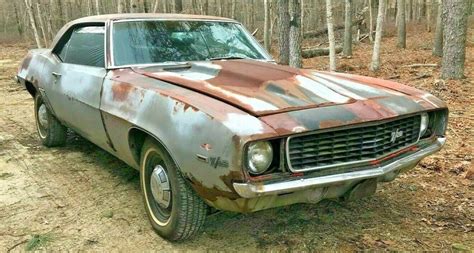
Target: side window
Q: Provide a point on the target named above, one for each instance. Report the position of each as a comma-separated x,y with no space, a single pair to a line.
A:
85,47
63,51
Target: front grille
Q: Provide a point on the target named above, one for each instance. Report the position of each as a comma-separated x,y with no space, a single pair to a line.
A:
351,145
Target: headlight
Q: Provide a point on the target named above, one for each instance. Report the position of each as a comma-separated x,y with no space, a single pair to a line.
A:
424,123
259,156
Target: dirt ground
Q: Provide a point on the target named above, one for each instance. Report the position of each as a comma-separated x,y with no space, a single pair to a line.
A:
79,197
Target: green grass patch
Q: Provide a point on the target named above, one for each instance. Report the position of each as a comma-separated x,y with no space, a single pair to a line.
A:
108,214
38,241
6,175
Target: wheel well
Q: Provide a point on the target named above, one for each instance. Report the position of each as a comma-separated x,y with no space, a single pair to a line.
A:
30,88
136,138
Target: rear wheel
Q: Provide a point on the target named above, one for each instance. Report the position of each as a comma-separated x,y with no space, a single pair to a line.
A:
175,211
50,130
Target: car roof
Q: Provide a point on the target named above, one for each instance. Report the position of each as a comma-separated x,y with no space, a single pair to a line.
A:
125,16
132,16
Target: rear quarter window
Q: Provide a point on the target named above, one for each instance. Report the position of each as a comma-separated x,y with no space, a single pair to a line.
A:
84,47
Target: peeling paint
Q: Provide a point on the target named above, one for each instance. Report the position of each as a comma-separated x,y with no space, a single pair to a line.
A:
216,108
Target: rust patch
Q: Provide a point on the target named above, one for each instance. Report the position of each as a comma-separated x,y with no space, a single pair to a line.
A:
206,146
120,91
369,110
255,87
330,123
250,74
186,106
260,178
376,162
283,124
211,194
25,63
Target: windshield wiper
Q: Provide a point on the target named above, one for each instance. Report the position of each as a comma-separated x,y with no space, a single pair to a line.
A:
228,58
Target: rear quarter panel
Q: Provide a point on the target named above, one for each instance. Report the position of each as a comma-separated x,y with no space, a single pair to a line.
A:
31,68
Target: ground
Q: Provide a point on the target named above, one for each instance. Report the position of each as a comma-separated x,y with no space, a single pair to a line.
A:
79,197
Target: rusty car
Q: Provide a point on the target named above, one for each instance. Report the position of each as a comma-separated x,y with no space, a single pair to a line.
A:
211,122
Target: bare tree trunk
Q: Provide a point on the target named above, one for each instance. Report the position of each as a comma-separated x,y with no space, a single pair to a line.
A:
121,6
348,29
332,40
155,6
194,7
295,33
50,20
371,21
375,64
250,14
428,15
145,6
18,20
41,24
438,40
219,9
178,6
284,25
410,10
455,13
66,12
315,52
205,7
232,9
165,6
89,7
59,10
266,30
401,26
133,6
272,25
421,10
97,8
50,27
29,10
302,17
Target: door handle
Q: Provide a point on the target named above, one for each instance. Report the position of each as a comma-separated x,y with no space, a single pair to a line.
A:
56,74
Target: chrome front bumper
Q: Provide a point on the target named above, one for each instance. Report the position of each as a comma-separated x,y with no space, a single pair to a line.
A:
253,190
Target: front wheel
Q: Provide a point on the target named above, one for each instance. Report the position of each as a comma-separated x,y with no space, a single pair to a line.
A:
50,130
175,211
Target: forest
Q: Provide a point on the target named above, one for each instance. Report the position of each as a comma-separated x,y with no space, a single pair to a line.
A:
292,24
81,198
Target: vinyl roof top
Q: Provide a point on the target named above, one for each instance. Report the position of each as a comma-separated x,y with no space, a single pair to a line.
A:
124,16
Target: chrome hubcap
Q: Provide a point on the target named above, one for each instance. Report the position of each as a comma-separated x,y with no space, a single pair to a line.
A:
160,186
43,116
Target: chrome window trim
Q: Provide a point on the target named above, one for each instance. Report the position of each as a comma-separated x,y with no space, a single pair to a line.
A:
85,24
287,145
265,54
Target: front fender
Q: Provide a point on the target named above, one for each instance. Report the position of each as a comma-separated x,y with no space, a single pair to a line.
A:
204,136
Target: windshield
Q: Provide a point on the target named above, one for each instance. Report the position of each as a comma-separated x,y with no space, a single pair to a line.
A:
145,42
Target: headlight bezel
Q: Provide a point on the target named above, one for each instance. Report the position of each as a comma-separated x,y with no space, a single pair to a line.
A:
250,166
424,123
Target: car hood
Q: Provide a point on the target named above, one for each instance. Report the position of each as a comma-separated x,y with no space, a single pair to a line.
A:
262,88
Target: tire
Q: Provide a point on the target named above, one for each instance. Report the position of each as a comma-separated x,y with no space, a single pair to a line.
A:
50,131
178,216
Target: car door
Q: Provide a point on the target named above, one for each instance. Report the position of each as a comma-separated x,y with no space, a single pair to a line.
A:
77,82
